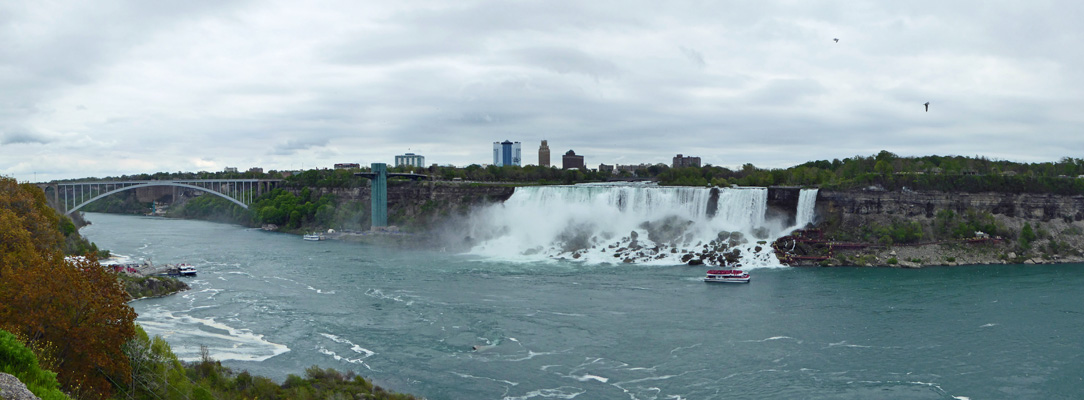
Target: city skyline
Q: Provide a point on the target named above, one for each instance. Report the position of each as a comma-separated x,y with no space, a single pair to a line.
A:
128,87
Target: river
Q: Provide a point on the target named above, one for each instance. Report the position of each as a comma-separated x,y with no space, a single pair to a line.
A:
274,305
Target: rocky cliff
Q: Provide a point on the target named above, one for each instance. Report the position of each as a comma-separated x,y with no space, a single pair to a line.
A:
910,204
1057,221
424,203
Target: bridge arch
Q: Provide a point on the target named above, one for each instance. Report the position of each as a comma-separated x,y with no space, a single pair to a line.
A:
156,183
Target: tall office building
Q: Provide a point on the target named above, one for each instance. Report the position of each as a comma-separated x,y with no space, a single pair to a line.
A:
411,159
507,153
544,155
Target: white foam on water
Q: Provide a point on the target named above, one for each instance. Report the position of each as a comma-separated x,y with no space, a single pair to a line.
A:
323,350
563,392
320,291
988,325
354,347
464,375
379,294
589,377
845,344
775,338
223,341
589,223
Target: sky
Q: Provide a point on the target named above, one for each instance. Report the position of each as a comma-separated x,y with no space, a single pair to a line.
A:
109,88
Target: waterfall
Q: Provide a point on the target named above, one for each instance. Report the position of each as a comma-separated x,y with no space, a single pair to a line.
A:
807,202
614,223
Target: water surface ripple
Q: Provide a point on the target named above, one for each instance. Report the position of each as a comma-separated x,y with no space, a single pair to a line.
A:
274,304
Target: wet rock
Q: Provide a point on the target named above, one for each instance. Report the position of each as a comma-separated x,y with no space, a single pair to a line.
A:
696,261
762,233
736,239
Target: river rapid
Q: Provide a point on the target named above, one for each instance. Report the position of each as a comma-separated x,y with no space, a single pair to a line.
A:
459,326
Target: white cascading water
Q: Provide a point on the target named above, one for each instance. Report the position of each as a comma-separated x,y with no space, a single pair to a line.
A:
602,223
807,201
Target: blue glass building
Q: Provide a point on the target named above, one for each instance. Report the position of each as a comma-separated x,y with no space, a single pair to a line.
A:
507,153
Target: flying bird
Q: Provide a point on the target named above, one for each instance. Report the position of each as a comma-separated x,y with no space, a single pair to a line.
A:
836,39
927,106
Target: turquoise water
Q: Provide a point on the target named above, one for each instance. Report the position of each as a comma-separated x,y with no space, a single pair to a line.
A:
274,304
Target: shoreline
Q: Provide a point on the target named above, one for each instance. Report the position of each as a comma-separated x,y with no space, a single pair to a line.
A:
939,255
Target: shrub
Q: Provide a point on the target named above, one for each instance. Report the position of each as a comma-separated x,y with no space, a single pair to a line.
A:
1027,236
19,361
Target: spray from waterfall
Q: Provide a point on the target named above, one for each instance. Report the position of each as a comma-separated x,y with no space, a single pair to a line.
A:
631,223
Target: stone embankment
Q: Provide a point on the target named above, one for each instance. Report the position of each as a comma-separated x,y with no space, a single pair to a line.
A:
1057,221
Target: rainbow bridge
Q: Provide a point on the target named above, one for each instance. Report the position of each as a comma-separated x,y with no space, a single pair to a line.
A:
69,197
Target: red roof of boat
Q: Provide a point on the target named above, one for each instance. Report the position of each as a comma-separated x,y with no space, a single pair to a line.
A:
725,272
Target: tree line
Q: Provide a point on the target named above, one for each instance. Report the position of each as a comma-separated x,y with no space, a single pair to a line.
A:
883,170
67,331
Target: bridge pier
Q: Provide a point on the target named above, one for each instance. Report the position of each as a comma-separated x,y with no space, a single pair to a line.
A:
379,195
379,190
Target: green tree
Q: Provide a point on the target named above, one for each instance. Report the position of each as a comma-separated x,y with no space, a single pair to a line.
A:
1027,236
73,313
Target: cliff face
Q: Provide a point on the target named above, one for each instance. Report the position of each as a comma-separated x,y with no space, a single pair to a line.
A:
421,203
1058,223
860,205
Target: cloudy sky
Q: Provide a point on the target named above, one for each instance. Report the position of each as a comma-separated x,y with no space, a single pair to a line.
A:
105,88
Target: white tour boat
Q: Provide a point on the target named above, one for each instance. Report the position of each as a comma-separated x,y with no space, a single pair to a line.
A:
727,276
313,236
186,270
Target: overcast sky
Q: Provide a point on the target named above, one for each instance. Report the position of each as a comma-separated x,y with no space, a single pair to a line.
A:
105,88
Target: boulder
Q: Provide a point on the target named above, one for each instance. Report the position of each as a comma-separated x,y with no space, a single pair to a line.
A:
13,389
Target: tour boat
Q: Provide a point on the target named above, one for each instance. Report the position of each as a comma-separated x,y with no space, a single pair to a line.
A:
178,270
186,270
313,236
727,276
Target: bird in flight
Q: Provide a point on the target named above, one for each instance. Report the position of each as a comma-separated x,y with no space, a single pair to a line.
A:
927,106
836,39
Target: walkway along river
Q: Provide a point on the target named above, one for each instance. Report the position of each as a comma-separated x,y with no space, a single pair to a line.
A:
274,304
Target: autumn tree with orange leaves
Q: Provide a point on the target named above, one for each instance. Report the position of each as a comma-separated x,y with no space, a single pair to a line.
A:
73,313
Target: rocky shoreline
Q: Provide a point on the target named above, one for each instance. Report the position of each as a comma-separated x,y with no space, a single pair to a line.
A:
940,255
144,287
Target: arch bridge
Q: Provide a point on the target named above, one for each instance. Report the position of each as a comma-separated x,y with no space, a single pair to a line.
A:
69,197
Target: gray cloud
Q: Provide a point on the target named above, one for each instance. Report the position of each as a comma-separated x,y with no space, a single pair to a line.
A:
568,61
22,137
694,56
292,146
202,85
